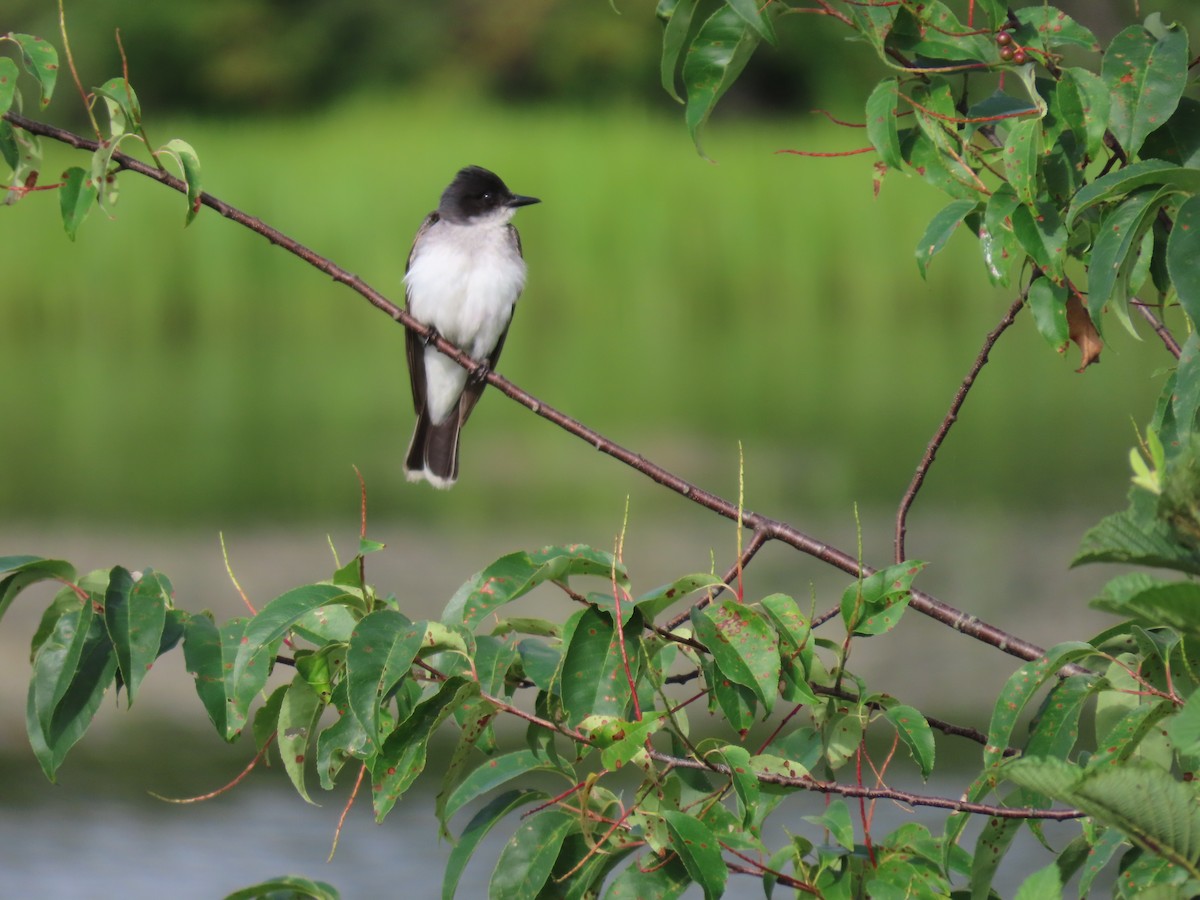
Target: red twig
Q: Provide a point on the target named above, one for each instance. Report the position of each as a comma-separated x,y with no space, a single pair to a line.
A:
828,155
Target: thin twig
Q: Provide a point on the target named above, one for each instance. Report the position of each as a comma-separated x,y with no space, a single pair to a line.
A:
803,782
1160,329
939,436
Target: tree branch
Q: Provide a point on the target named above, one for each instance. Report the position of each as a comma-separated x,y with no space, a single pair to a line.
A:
939,436
803,782
770,529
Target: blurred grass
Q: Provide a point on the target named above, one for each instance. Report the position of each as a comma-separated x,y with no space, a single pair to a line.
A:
159,374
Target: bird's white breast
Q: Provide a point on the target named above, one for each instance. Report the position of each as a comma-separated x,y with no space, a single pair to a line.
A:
463,280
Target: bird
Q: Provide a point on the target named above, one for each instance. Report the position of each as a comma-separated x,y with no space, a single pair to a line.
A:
464,274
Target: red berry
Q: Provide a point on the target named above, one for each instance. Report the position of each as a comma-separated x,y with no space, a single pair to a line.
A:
1006,53
1004,39
1020,57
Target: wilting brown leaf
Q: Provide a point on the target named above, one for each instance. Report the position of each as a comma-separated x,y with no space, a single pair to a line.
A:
1081,330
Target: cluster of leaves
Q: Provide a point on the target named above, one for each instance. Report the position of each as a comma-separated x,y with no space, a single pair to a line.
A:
1068,162
370,686
609,691
80,189
1080,166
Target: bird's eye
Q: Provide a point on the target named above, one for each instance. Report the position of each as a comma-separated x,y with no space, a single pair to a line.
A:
486,196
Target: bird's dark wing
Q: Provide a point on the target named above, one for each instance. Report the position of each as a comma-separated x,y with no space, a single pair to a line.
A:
474,388
414,343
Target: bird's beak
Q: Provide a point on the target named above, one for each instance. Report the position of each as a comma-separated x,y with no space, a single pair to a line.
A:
519,200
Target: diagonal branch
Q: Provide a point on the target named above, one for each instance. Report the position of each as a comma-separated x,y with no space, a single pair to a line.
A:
768,528
939,436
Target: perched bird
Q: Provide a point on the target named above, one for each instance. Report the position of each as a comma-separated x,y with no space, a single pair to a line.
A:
463,277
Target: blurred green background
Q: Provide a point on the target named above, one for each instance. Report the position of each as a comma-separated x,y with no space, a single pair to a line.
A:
160,375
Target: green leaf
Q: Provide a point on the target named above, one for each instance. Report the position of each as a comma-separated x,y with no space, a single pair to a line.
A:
527,858
836,820
1183,256
345,739
654,602
939,229
944,172
996,238
649,878
743,645
1093,93
1145,77
1162,604
403,755
381,653
1022,153
266,720
743,777
517,574
298,716
1145,802
1020,688
881,122
189,169
58,659
1048,303
757,16
1120,232
933,108
19,572
288,887
8,83
937,35
135,614
719,52
628,739
72,670
1053,28
792,625
676,16
265,631
1130,178
124,111
492,773
875,604
594,680
736,702
1135,538
209,654
1178,140
1184,727
701,854
477,829
1044,884
40,60
916,734
1040,232
75,199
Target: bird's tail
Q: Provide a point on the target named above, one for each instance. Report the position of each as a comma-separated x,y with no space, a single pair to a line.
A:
433,452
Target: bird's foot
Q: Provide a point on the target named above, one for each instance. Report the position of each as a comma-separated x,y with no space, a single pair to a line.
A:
479,374
430,337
